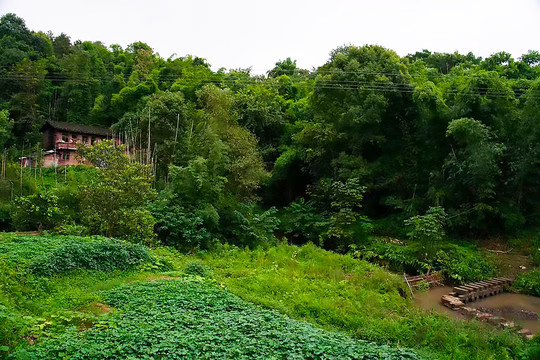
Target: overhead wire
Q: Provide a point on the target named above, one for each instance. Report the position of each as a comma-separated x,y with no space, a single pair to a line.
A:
321,83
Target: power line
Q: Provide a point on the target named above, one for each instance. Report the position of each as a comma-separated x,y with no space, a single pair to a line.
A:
320,83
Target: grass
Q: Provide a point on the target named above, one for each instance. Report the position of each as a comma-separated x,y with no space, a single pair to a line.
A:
340,293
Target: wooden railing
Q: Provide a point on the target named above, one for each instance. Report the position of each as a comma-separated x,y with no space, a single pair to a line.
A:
65,145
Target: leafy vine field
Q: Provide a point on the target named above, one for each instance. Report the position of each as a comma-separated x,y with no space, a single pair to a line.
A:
179,319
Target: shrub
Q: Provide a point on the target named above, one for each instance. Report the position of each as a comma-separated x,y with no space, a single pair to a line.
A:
341,203
396,257
137,226
183,228
196,268
427,229
6,222
36,211
528,283
72,229
535,251
253,227
69,200
459,264
102,255
300,222
115,203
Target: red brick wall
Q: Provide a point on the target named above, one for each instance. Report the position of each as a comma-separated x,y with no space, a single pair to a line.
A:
68,147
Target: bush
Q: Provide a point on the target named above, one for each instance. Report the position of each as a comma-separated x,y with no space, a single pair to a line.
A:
528,283
396,257
427,229
535,251
196,268
136,226
458,264
301,223
341,203
183,228
72,229
6,222
252,227
36,211
115,203
102,255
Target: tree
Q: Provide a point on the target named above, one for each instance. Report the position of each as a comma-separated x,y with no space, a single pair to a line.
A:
14,26
284,67
341,202
115,203
61,45
6,124
428,229
171,121
241,160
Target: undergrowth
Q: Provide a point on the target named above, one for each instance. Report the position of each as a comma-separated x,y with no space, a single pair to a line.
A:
342,293
48,282
53,310
457,263
528,283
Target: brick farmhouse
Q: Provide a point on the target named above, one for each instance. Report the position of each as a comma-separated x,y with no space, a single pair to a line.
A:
60,138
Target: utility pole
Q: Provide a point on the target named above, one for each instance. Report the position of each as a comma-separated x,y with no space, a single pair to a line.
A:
176,134
22,155
149,148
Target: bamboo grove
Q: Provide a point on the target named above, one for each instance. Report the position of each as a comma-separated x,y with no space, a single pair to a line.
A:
329,154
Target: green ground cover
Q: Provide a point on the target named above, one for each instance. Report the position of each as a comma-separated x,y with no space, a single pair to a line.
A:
189,318
339,292
50,283
83,307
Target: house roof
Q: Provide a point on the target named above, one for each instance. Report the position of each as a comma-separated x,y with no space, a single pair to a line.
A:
76,128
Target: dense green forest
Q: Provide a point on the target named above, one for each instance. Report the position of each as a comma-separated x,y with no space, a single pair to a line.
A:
355,146
230,188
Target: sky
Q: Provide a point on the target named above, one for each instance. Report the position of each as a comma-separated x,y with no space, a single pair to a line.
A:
256,33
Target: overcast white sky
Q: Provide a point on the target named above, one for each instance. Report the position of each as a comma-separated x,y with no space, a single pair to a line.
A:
257,33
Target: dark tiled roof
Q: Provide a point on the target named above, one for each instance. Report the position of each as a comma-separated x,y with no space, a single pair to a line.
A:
76,128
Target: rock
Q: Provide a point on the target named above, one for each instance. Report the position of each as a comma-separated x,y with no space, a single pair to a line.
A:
451,302
523,267
496,320
507,324
524,332
483,316
468,310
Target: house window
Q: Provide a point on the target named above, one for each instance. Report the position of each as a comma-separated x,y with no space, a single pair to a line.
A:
65,137
85,140
65,156
92,141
